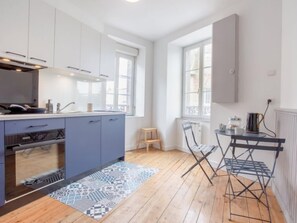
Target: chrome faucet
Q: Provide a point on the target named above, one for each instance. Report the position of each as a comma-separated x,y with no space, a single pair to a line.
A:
59,109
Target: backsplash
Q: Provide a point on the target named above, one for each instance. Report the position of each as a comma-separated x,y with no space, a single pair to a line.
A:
64,89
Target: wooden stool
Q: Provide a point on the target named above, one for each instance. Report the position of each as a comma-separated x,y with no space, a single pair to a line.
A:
153,137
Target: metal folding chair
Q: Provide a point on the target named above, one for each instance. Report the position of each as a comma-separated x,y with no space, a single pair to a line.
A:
256,169
200,152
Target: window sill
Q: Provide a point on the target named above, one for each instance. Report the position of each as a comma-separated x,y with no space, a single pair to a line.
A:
200,119
133,116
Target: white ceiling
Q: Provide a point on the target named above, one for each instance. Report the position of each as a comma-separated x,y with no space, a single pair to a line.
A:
150,19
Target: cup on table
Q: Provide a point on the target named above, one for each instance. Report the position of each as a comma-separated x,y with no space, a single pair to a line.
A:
222,127
238,131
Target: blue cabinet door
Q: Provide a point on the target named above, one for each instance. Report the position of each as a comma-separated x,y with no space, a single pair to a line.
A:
2,175
112,138
1,142
82,145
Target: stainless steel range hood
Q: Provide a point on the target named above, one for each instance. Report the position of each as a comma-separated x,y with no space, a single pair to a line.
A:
8,64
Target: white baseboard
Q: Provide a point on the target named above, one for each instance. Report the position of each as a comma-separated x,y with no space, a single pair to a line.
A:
281,203
129,148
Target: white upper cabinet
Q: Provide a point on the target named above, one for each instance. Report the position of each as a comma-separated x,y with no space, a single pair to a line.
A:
41,33
225,60
90,51
67,42
107,59
14,22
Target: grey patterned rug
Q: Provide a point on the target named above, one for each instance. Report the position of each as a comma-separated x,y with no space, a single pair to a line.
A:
98,193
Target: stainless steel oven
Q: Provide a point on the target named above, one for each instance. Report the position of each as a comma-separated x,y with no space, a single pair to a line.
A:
33,161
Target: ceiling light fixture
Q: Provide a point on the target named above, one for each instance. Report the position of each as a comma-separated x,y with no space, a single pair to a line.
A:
18,70
6,60
132,1
37,66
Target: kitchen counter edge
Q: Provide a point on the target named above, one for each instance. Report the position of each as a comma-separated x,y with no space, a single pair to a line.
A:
48,116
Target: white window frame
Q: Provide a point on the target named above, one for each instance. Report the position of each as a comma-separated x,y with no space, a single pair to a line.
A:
116,83
201,62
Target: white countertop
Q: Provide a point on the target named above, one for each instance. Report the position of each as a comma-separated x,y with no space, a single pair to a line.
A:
55,115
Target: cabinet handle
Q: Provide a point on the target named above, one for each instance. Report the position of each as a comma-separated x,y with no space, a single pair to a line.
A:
103,75
113,119
87,71
94,121
16,54
38,126
34,58
73,68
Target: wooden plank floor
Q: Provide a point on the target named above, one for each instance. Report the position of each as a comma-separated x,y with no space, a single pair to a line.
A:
165,197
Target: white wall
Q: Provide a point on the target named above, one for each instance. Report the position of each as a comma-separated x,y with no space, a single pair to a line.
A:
173,94
285,183
259,53
289,55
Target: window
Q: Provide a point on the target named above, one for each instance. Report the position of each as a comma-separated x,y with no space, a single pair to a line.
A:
197,80
119,93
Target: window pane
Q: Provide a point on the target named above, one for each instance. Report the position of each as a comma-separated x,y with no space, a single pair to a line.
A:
191,104
207,55
123,99
206,98
119,93
197,80
124,85
207,79
192,81
110,87
124,103
109,99
193,59
125,67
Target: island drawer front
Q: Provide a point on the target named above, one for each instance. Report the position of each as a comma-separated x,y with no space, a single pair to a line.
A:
34,125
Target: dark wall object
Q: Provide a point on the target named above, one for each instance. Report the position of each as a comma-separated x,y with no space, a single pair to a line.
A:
19,87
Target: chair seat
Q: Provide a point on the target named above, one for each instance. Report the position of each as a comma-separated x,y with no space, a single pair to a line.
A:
204,148
248,167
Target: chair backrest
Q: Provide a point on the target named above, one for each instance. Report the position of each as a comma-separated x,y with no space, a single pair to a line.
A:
260,143
189,134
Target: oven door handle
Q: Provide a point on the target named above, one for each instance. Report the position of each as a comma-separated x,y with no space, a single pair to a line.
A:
37,144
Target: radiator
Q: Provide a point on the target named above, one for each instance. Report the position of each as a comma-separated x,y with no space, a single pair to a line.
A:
285,182
197,129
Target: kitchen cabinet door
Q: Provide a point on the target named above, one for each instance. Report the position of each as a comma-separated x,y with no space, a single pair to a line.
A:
67,42
2,185
112,138
82,145
2,175
90,51
1,142
41,33
225,60
107,58
14,22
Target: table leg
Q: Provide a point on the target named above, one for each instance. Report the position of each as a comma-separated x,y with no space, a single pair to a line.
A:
223,156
